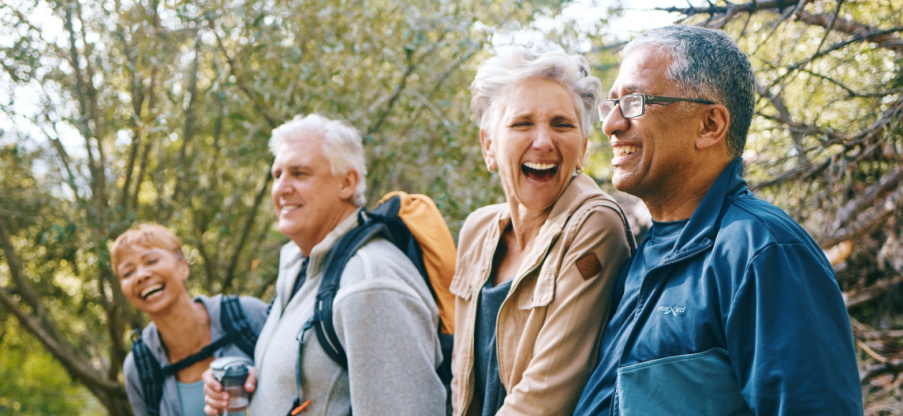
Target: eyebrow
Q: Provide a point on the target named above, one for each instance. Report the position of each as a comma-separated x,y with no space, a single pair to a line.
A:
633,88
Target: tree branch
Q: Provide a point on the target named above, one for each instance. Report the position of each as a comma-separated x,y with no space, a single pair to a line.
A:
373,128
871,292
188,129
32,299
245,232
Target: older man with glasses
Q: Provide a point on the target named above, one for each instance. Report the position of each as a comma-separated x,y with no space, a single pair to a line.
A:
728,307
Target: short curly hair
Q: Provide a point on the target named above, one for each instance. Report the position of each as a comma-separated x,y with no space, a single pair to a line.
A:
146,235
515,64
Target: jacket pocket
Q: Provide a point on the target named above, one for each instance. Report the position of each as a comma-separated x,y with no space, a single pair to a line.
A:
462,282
701,384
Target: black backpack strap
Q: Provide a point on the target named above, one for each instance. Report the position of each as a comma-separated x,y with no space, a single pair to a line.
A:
203,354
235,323
346,247
149,372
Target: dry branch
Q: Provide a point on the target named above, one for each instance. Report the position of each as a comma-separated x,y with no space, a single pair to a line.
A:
871,292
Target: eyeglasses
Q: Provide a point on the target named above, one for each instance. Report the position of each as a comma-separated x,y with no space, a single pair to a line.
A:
634,105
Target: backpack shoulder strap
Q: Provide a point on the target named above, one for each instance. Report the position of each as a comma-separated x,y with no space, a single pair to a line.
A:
149,373
346,247
235,323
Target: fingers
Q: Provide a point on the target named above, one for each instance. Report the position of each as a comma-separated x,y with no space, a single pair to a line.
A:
209,411
251,382
215,399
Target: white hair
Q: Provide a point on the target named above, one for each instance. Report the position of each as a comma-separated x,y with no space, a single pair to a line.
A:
512,65
341,145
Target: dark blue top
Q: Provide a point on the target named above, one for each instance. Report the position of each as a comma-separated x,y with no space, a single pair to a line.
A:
489,393
743,315
660,242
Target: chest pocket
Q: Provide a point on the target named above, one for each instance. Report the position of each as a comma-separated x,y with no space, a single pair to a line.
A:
463,282
702,384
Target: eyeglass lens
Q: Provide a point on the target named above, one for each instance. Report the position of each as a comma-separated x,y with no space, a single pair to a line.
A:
631,106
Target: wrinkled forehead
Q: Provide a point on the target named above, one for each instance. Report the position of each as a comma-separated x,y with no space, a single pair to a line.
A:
643,70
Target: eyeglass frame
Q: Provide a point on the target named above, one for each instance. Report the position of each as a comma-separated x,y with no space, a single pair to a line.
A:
643,99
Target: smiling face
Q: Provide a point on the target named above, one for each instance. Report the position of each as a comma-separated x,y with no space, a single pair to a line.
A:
310,201
654,153
152,278
536,142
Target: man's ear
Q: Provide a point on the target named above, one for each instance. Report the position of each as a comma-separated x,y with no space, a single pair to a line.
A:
349,184
488,153
713,129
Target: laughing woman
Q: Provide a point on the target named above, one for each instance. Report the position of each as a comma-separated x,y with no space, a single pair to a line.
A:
534,274
189,333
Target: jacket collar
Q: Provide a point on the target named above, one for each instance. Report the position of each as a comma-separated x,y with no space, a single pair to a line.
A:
581,189
291,256
703,226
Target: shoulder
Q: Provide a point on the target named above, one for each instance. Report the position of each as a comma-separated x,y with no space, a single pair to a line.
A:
129,368
479,221
380,271
150,335
601,213
252,304
253,309
760,223
754,230
379,258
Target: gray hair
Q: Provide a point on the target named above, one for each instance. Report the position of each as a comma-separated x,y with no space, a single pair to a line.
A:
515,64
342,146
708,64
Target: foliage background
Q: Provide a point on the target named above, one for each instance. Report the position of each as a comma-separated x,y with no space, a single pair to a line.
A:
113,112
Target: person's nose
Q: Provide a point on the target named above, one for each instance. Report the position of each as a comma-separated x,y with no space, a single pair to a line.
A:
142,272
615,123
281,186
543,138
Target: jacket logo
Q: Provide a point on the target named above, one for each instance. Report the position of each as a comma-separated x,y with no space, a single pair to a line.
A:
671,310
589,266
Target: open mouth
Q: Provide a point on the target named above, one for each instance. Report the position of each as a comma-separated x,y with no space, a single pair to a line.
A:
622,151
289,208
539,172
150,290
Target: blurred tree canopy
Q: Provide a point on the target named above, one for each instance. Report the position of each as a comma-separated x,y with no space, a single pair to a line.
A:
160,110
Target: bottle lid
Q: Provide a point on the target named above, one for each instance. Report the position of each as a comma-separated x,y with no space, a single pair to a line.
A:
222,364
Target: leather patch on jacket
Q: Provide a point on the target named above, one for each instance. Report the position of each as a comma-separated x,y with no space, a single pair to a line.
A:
589,266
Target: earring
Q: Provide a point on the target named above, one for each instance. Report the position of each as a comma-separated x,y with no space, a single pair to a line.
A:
579,169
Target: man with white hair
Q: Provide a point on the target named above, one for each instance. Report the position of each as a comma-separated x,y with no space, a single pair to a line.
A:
383,312
728,306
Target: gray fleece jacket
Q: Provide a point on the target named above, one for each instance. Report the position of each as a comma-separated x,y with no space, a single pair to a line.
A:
386,320
254,309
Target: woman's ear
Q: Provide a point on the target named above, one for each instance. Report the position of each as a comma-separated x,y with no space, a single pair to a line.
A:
488,152
713,129
183,269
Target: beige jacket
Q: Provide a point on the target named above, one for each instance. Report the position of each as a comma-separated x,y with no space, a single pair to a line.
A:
550,323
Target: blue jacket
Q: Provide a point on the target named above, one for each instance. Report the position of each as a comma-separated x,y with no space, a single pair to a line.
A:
744,316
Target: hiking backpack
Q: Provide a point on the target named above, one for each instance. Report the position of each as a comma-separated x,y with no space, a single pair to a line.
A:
238,332
414,224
